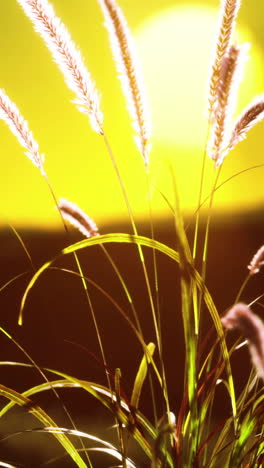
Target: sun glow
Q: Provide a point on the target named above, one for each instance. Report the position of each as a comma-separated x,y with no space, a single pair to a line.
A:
176,53
175,47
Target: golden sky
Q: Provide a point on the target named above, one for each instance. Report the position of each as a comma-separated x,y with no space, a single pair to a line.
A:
174,40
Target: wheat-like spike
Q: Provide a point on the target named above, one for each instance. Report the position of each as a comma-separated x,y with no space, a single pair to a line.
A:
19,127
250,116
227,23
129,72
251,326
78,218
257,261
230,77
67,57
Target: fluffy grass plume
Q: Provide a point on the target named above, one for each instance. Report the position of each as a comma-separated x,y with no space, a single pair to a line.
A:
67,57
78,218
230,76
129,72
227,23
253,114
257,261
251,326
19,127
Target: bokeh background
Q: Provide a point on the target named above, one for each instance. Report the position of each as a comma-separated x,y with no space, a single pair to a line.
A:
175,43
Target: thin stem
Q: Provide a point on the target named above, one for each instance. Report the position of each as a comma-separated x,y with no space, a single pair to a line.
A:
190,340
196,303
206,239
156,281
84,286
197,220
217,188
154,256
136,233
129,298
23,246
53,389
242,287
140,251
208,223
88,301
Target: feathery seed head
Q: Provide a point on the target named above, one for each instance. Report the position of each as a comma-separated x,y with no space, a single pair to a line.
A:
251,326
78,218
250,116
227,21
19,127
257,261
67,57
230,76
124,54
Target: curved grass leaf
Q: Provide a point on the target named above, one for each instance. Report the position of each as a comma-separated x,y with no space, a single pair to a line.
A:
12,280
104,396
21,400
172,254
141,376
101,393
97,240
107,447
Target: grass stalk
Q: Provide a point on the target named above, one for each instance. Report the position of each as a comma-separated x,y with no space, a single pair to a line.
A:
53,389
158,313
201,186
135,232
208,222
145,273
88,299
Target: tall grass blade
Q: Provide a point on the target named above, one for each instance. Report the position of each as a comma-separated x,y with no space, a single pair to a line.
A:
141,376
41,415
170,253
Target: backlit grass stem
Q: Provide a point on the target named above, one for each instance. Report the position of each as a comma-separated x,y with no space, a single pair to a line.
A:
227,21
67,57
124,54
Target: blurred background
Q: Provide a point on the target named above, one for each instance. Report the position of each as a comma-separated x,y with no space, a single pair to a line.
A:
175,42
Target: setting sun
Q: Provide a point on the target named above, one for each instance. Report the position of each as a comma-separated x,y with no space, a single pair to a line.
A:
175,50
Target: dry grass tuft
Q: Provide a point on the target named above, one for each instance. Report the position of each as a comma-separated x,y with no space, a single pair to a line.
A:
67,57
129,72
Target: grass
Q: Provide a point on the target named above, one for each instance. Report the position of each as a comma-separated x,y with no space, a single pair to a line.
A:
167,434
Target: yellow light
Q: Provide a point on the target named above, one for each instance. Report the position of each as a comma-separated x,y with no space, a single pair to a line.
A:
175,48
